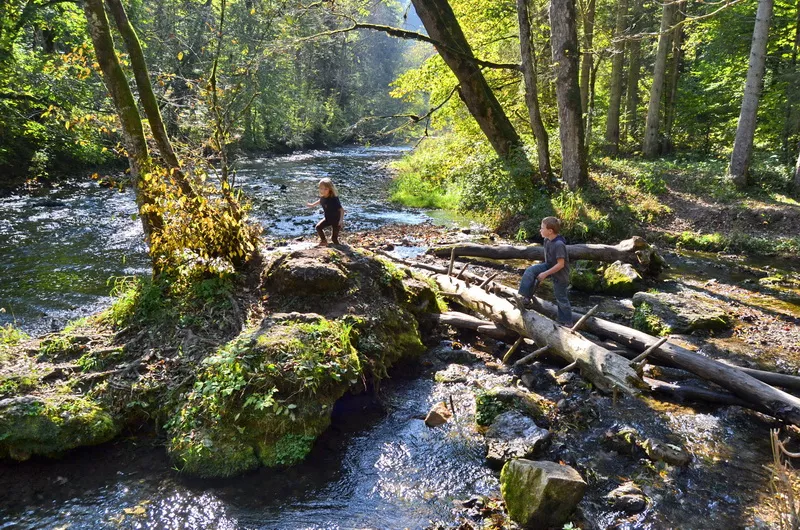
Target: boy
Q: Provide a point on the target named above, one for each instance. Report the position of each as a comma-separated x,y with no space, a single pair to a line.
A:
556,266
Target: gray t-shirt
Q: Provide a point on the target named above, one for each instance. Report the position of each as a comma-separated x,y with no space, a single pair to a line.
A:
554,249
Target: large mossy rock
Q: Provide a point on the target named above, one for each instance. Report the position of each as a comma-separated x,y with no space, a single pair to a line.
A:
339,318
540,494
683,312
618,278
264,397
621,279
50,426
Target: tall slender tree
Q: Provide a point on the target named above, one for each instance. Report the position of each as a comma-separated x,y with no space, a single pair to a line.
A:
564,41
671,102
132,130
587,56
746,128
796,181
615,88
650,145
632,87
528,54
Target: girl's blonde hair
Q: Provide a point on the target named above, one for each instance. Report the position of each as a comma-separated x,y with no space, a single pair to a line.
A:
328,183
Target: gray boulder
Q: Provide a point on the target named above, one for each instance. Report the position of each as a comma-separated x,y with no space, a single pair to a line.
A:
540,494
628,498
514,435
621,279
681,312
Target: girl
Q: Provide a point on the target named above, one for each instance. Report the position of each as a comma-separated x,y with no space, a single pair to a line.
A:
334,213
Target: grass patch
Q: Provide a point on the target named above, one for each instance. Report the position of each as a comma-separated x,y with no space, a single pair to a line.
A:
645,319
737,243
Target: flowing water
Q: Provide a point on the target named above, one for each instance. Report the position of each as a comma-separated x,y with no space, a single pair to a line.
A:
60,246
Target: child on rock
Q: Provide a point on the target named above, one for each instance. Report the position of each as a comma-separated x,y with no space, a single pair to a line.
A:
332,207
556,266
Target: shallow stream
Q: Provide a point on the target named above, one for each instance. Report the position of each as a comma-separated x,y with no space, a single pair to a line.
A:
378,466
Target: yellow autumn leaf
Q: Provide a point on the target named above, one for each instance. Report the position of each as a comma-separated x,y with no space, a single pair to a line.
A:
180,56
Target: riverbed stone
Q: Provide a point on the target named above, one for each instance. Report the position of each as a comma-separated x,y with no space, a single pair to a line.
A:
513,435
540,494
32,425
454,373
681,312
621,279
627,498
491,403
438,415
664,452
314,271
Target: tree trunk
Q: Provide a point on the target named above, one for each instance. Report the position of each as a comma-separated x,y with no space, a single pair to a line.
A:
528,55
617,65
146,94
672,82
564,41
132,130
442,26
650,145
485,327
792,87
587,57
606,370
746,128
797,174
634,251
590,108
632,91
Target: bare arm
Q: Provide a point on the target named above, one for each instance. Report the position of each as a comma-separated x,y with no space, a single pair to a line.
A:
312,204
341,217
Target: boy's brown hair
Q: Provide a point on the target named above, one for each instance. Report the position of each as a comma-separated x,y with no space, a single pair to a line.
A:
552,223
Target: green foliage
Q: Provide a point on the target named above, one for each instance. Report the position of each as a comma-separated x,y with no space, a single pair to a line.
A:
488,407
737,242
11,336
644,319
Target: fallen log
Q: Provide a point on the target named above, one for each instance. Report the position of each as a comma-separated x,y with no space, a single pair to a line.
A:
463,320
607,371
635,251
694,392
628,337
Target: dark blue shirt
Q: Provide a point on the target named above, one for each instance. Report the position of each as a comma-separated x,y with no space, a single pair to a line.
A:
331,206
557,248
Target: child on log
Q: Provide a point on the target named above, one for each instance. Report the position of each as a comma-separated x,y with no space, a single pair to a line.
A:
332,208
556,266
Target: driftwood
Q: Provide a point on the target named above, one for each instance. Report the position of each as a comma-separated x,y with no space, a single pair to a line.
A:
684,392
606,370
635,251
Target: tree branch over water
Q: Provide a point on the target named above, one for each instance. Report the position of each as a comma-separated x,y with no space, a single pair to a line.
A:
410,35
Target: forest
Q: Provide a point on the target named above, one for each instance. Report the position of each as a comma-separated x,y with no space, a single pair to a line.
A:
162,287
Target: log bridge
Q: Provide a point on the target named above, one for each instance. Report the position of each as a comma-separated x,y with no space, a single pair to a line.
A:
609,370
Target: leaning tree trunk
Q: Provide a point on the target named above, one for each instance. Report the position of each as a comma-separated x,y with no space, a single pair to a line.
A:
528,55
792,87
672,80
587,57
617,65
746,128
442,26
650,145
146,94
132,130
564,41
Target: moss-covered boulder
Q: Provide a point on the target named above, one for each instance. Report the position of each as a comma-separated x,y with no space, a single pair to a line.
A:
621,279
491,403
32,425
683,312
264,397
584,276
540,494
